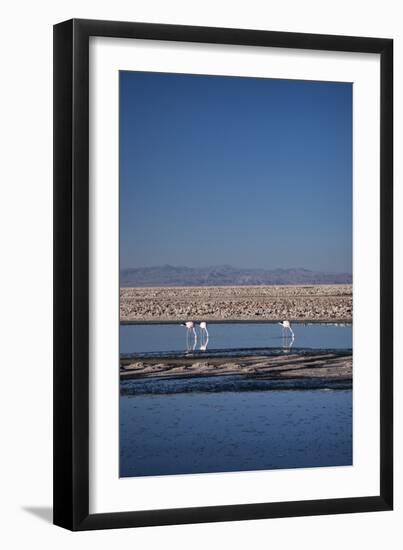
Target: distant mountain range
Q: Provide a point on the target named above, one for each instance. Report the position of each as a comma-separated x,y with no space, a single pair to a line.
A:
225,275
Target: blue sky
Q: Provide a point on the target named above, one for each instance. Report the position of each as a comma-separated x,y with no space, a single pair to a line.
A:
241,171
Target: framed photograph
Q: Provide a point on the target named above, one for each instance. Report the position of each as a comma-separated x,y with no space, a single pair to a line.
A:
223,236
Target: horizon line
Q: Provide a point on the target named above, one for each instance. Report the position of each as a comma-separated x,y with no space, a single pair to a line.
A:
220,266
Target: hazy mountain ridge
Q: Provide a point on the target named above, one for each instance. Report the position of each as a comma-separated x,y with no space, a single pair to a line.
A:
225,275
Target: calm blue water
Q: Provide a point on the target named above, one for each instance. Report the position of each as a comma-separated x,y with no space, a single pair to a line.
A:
223,424
225,432
140,339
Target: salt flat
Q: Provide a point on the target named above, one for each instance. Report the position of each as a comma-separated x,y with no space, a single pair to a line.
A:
237,303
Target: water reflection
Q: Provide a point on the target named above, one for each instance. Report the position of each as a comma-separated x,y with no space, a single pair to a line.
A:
287,341
204,336
191,335
191,343
163,338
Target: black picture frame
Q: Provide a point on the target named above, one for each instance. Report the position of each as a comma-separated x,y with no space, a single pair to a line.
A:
71,274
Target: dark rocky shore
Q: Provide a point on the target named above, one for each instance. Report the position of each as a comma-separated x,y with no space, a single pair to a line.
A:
310,369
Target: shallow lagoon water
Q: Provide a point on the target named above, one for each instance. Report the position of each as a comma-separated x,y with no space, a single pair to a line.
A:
230,431
146,338
226,424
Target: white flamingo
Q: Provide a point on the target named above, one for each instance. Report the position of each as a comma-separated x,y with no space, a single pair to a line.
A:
203,328
203,332
287,325
190,327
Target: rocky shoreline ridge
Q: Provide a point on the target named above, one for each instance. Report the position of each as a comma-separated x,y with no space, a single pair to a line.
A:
331,303
332,367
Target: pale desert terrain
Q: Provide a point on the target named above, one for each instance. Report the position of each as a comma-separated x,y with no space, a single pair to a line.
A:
238,303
